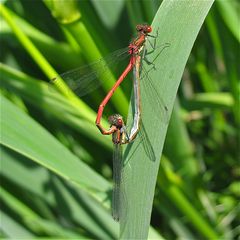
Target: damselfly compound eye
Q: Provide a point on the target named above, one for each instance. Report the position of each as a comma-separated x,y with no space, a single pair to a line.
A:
120,122
149,29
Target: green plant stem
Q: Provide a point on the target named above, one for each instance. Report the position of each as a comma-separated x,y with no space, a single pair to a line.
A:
176,196
230,15
49,47
42,62
90,50
28,45
91,53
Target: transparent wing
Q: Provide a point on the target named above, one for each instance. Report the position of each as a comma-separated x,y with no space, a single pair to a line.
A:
149,92
144,139
117,178
87,78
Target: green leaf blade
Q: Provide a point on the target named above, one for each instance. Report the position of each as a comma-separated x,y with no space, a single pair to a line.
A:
179,23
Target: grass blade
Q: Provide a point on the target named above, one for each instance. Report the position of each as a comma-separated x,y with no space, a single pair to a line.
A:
54,157
179,23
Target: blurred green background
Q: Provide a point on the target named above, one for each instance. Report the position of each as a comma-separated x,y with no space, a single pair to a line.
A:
198,188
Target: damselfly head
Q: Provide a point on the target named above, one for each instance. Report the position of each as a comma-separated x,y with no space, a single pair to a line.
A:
116,120
144,28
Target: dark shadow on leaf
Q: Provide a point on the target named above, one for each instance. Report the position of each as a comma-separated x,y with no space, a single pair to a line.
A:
147,144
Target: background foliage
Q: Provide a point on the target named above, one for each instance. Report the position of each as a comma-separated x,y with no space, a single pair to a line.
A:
198,185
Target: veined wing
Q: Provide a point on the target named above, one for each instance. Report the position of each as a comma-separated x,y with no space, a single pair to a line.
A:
87,78
149,92
117,178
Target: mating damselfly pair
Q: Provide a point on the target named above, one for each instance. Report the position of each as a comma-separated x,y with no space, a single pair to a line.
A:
82,81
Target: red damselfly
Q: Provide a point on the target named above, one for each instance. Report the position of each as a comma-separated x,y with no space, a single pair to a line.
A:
87,78
119,137
82,81
135,49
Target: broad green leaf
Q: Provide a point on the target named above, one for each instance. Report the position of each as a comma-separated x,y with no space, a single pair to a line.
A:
24,135
12,228
32,220
178,23
78,207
